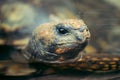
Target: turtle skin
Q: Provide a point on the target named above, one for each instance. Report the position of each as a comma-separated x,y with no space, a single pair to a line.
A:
41,60
64,42
65,39
110,59
63,46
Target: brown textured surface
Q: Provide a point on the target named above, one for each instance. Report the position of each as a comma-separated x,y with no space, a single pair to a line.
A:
91,63
73,74
101,17
48,33
49,43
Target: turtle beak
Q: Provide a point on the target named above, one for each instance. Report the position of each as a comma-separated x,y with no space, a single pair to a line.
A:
86,34
82,34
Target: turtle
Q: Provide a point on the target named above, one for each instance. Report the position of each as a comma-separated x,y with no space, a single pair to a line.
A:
63,46
82,62
17,20
58,46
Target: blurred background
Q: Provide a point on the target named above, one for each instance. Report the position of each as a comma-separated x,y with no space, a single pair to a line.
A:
18,18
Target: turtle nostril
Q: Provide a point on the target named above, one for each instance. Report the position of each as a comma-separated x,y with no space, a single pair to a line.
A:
78,35
80,38
83,28
87,37
87,30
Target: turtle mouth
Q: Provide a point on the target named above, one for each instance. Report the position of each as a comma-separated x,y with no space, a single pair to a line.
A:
65,51
64,47
71,50
61,52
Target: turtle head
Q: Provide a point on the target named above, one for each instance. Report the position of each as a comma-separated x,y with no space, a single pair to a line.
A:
58,40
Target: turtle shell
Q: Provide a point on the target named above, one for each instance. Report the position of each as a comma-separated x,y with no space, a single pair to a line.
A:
18,19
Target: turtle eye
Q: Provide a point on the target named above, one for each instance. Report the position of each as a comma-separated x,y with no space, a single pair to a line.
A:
61,29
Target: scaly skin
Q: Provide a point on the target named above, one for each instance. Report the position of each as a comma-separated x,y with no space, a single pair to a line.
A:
57,41
111,62
90,62
58,46
82,62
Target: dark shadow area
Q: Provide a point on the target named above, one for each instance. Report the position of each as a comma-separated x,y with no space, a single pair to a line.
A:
5,51
68,75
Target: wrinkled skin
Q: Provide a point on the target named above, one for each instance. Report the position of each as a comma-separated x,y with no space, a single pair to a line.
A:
41,60
59,45
99,20
58,41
